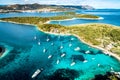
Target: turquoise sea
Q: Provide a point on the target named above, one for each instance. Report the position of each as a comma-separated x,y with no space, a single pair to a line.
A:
28,49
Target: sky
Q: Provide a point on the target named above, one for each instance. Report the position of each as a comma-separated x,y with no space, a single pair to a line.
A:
94,3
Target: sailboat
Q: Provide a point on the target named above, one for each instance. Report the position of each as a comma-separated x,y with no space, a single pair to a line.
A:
36,73
61,47
35,37
72,39
50,56
58,61
70,44
44,50
38,43
47,39
77,49
85,61
87,52
62,55
72,64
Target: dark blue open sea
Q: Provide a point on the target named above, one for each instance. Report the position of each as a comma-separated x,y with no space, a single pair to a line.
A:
28,49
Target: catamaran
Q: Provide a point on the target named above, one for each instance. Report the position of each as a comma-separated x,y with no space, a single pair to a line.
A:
47,39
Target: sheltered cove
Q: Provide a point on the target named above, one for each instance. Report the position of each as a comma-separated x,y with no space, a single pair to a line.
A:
42,24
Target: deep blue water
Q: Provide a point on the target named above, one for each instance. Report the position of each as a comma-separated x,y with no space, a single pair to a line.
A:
24,55
111,16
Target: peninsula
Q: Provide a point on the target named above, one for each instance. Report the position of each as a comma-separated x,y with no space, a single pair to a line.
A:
103,36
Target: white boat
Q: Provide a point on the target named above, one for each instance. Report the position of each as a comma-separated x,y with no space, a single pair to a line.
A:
85,61
70,45
72,64
52,44
72,39
77,49
98,65
58,61
50,56
36,73
63,55
111,69
87,52
38,43
47,39
61,47
44,50
35,37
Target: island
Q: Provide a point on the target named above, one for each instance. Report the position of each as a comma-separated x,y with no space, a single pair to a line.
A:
102,36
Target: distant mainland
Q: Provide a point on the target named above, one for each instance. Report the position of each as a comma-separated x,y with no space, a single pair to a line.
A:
40,8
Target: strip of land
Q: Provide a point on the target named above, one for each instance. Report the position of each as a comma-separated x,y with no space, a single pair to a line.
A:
102,36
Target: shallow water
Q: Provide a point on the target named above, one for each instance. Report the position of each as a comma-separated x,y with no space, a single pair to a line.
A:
24,55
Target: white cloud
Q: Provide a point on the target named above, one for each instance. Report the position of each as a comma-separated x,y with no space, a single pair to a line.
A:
26,0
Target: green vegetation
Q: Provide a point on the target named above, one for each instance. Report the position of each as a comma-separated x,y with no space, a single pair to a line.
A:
41,20
102,35
69,13
30,20
86,16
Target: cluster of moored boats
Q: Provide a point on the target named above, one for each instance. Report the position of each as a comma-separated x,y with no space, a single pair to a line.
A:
38,71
